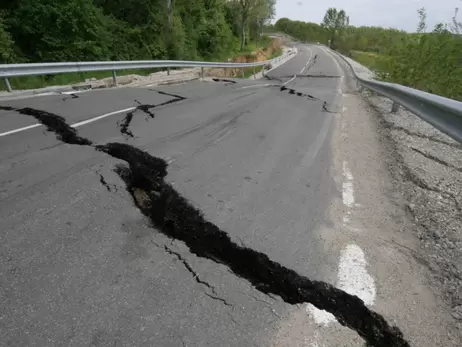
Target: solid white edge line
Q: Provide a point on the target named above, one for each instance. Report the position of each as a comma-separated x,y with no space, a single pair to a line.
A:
290,57
91,120
20,129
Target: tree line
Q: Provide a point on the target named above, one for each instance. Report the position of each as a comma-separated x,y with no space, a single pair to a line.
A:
86,30
429,59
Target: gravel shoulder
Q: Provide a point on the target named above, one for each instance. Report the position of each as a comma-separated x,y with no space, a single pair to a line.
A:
426,169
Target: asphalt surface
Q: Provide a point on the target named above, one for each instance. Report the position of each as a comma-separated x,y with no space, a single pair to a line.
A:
81,262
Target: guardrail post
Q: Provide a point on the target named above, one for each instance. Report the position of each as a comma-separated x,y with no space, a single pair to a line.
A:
202,72
242,71
168,71
8,85
254,74
114,78
394,107
263,70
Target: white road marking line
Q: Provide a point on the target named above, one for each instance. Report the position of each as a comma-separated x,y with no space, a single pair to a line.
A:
295,76
306,65
348,194
20,129
320,317
88,121
352,278
258,85
75,125
44,94
289,58
339,69
70,92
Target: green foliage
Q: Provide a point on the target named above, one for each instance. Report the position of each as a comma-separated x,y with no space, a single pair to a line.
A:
335,21
7,54
79,30
85,30
303,31
428,61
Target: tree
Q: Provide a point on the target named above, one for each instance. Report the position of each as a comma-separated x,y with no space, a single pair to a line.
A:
7,54
456,26
259,10
335,21
422,20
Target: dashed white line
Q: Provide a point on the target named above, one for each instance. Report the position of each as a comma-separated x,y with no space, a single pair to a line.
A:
352,278
306,65
348,194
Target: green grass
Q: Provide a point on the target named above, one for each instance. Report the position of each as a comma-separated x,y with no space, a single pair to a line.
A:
371,60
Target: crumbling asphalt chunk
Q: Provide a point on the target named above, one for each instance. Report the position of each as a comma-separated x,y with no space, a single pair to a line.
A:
171,214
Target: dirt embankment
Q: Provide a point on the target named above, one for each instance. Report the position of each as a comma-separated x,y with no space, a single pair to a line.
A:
261,54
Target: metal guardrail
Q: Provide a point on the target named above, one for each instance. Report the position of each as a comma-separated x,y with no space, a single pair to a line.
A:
443,113
18,70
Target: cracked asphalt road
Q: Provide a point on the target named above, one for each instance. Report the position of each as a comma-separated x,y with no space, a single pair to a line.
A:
82,266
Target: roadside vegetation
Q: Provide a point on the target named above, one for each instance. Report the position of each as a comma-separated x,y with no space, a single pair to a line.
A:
34,31
428,59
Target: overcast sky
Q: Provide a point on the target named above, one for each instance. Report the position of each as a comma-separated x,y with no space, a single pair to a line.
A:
400,14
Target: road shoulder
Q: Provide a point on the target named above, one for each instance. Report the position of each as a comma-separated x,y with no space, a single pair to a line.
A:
371,226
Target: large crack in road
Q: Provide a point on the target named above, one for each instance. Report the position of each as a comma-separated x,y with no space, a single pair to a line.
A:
172,215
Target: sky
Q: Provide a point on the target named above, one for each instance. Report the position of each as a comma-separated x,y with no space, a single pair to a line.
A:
399,14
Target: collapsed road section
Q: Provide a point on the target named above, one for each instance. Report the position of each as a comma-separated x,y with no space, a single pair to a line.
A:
172,215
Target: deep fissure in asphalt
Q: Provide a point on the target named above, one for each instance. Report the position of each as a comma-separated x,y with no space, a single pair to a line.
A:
54,123
172,215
